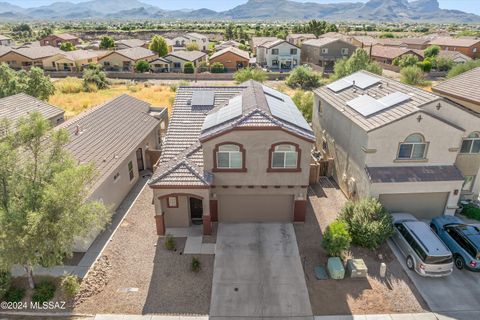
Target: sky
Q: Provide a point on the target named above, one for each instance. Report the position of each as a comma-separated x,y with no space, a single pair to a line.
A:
472,6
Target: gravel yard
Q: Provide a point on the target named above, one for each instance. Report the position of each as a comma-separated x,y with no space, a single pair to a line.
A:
137,259
350,296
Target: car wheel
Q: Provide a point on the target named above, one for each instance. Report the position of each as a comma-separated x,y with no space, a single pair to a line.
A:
459,262
410,264
434,228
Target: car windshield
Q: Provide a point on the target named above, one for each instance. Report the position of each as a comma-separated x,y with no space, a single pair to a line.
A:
438,259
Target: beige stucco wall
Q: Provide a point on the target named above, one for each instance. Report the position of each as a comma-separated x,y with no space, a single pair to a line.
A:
15,60
116,60
283,52
56,63
182,62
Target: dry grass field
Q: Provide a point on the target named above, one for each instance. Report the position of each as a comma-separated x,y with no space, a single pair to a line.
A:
70,96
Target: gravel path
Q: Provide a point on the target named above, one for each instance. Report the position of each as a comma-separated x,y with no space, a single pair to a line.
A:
138,259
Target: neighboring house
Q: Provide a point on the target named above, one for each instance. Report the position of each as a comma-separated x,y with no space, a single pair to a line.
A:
170,44
245,157
56,40
469,47
455,56
325,51
25,58
232,58
390,42
415,43
21,105
125,59
386,54
121,139
179,58
226,44
160,65
395,142
73,61
278,55
364,41
33,44
180,42
6,41
299,38
129,43
255,42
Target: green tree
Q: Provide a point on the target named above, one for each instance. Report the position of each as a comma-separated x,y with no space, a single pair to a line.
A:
158,45
142,66
192,46
443,64
94,75
406,61
303,77
217,67
358,61
107,43
250,74
336,238
43,196
387,35
228,34
304,102
33,82
39,85
188,67
67,46
412,75
431,51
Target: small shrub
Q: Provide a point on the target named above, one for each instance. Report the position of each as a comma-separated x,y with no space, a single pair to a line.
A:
184,83
217,67
250,74
142,66
169,242
43,292
70,85
471,211
14,294
411,75
188,67
202,67
369,223
5,281
173,87
134,88
195,265
425,65
303,77
70,285
336,238
304,102
90,87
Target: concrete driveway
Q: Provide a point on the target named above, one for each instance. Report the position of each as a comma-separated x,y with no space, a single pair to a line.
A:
459,293
258,273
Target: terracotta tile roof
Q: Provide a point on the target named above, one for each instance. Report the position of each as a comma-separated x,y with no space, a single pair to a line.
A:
464,86
66,36
366,40
131,43
20,105
187,55
238,52
320,42
453,55
390,52
82,54
38,52
302,35
257,41
454,42
390,41
136,53
413,174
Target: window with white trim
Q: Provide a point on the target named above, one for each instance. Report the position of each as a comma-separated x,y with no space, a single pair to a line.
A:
284,156
229,156
468,183
324,50
172,202
413,148
274,51
471,144
344,51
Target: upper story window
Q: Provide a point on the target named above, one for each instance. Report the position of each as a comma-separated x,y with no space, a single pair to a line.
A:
471,144
284,156
324,50
274,51
293,51
413,148
229,156
344,51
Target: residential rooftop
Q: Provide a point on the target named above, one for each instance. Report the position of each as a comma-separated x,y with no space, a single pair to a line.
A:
236,51
454,42
135,53
65,36
320,42
187,55
257,41
464,86
391,52
36,52
21,105
132,43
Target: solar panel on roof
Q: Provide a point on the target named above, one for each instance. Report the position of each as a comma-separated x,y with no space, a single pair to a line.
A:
203,98
287,111
274,93
361,81
232,110
366,105
394,99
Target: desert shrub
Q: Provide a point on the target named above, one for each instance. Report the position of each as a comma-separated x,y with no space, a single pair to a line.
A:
412,75
336,238
443,64
169,242
303,77
5,281
471,211
195,265
463,67
359,60
44,291
202,67
431,51
93,74
188,67
14,294
70,85
304,102
217,67
250,74
173,87
70,285
191,46
425,65
369,223
406,61
142,66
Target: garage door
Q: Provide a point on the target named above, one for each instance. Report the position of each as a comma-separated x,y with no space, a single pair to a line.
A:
422,205
255,208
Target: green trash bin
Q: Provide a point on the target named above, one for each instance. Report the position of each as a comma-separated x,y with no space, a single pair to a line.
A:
335,268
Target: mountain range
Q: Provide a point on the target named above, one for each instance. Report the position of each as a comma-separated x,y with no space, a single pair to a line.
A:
373,10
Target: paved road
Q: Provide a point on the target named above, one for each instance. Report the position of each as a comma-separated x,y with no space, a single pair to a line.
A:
459,292
258,273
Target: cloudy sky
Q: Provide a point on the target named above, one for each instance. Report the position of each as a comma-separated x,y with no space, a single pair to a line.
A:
218,5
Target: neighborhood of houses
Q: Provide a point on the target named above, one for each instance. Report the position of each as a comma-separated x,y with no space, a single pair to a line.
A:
244,153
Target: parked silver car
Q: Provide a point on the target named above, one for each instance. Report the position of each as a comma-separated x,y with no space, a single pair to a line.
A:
423,250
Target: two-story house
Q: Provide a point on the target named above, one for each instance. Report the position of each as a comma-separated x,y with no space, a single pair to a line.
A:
395,142
467,46
232,154
56,40
325,51
299,38
181,41
278,55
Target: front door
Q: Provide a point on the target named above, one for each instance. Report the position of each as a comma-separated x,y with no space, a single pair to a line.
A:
140,159
196,210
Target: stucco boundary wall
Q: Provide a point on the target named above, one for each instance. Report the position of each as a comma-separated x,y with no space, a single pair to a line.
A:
164,76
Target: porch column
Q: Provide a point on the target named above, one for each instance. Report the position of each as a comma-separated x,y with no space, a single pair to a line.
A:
214,210
207,225
160,223
299,210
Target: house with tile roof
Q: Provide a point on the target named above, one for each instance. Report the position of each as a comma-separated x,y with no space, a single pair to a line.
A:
232,154
232,58
125,59
130,43
299,38
225,44
467,46
409,148
25,58
386,54
56,40
325,51
72,60
6,41
121,138
179,58
278,55
255,42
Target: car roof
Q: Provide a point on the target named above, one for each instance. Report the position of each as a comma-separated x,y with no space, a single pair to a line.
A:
429,240
402,217
471,232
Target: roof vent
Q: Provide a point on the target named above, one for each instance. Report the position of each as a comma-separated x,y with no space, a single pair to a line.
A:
78,130
380,86
189,102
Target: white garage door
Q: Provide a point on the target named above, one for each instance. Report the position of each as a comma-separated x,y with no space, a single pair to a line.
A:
255,208
422,205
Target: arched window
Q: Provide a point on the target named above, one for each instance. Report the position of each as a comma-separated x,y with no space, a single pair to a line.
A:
471,144
413,148
229,156
284,156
